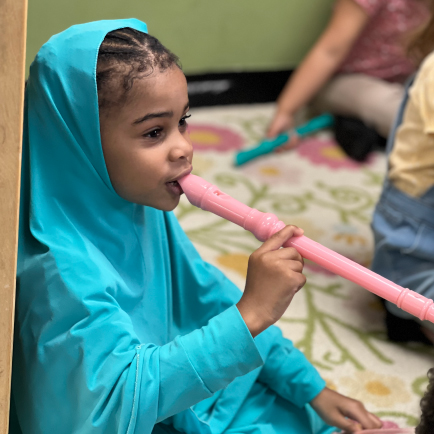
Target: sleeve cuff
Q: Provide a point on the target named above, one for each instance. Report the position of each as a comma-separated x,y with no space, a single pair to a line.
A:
223,350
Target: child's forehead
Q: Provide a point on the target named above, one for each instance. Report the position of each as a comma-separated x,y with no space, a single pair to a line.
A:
159,92
161,87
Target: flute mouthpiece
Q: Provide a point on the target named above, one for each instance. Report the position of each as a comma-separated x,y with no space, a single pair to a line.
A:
194,188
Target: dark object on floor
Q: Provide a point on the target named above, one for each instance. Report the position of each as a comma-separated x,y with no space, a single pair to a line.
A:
356,139
404,330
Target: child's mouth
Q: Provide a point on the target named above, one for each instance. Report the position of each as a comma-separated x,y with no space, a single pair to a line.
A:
174,187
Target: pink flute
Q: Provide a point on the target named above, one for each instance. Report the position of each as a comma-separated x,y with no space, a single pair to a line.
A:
204,195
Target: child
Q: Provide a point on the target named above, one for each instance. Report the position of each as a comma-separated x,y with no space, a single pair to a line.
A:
426,425
403,221
355,70
121,327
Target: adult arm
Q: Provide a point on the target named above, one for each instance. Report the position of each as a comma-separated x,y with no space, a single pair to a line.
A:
321,62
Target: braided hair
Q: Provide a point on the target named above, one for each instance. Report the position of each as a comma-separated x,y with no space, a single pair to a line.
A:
426,425
124,56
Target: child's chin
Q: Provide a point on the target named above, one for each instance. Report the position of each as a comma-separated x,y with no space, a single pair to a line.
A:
169,205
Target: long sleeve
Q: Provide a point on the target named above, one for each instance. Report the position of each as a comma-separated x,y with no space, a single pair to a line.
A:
114,382
287,371
196,365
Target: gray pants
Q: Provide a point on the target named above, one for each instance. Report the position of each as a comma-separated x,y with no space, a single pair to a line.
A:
370,99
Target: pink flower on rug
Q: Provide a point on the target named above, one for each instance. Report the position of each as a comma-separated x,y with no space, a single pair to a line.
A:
273,172
326,152
211,138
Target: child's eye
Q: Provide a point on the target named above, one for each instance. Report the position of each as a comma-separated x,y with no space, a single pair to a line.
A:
154,134
183,121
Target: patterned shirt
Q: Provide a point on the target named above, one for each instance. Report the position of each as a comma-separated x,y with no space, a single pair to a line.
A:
379,50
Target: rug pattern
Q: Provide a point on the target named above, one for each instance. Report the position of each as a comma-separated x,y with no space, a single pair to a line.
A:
337,324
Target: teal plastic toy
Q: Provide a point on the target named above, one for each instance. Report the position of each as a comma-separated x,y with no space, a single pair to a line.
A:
267,146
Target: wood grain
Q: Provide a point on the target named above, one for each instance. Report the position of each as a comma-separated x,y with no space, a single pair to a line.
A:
13,25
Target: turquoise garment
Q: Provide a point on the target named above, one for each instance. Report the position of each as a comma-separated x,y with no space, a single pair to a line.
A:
120,325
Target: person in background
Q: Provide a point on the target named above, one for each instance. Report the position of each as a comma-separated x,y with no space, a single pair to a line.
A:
426,425
356,71
403,221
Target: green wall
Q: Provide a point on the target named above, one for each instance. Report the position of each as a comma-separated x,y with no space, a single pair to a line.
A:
208,36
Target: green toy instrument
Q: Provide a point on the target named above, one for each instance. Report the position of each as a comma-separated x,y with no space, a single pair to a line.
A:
267,146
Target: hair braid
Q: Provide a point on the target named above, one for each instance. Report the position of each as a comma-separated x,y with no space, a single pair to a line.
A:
124,56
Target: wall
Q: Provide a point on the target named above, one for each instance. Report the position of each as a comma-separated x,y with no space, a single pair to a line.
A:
208,36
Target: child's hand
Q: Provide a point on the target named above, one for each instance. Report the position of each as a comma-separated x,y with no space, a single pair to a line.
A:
343,412
281,123
274,276
293,142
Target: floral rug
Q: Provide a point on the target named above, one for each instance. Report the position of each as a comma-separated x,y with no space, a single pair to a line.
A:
337,324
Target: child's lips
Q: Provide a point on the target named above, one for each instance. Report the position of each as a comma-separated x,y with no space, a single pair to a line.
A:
174,187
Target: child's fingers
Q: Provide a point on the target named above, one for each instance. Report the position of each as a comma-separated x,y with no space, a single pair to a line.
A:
271,132
295,266
277,240
357,412
290,144
300,279
281,122
287,254
375,420
346,425
276,127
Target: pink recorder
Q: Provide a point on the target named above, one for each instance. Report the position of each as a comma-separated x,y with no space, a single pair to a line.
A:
204,195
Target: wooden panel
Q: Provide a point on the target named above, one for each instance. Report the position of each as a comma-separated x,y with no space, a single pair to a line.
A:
13,21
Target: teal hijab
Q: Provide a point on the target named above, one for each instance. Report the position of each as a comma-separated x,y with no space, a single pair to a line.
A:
120,326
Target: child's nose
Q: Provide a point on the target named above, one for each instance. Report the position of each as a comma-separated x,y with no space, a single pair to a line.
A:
181,148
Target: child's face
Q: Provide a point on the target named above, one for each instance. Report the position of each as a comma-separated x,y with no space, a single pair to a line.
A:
145,142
